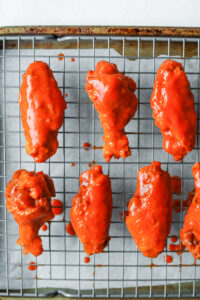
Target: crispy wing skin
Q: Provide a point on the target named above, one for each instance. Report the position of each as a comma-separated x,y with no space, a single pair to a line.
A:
113,96
150,210
91,210
28,198
190,234
42,111
173,109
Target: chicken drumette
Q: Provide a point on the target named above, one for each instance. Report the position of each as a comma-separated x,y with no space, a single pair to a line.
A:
91,210
150,210
42,111
173,109
190,234
28,198
113,96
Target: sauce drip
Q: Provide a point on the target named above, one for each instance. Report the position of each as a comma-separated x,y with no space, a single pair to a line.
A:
66,94
73,164
174,239
123,215
89,165
93,162
176,248
186,203
44,227
86,260
86,146
95,147
60,56
176,185
168,259
72,59
57,207
69,229
32,266
152,265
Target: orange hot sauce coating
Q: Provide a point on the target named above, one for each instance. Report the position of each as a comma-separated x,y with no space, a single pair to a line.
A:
91,210
190,234
113,96
150,210
173,109
42,111
28,198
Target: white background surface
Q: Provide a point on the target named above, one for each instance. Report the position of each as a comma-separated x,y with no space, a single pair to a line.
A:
100,12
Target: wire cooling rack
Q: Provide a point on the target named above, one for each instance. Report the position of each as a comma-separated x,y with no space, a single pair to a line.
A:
121,270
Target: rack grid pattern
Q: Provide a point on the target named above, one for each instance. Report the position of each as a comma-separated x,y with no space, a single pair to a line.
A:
121,270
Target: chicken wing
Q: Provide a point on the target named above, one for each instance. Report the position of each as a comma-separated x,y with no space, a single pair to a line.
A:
42,111
150,210
113,96
190,234
173,109
91,210
28,198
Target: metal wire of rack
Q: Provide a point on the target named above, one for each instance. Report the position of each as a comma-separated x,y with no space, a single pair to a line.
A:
121,270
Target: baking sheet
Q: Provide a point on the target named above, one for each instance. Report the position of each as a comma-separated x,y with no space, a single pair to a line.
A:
120,270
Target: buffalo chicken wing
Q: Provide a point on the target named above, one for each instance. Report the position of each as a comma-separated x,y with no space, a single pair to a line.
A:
190,234
113,96
42,111
91,210
150,210
173,109
28,198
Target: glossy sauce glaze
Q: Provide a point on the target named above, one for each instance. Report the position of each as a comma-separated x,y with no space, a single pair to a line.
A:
113,96
150,210
190,234
173,109
42,111
28,198
91,210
